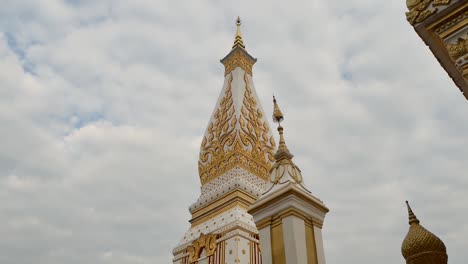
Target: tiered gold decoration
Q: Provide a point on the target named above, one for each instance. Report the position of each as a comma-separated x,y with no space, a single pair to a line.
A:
238,42
421,246
419,10
284,168
238,57
232,141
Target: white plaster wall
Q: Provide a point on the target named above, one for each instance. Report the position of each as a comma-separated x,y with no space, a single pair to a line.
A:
294,240
237,250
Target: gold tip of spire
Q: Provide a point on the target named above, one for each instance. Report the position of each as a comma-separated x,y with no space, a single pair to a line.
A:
238,42
283,151
277,114
412,217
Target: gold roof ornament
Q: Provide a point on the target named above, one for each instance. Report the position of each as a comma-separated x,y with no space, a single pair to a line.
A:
283,150
238,42
238,56
420,245
284,170
277,114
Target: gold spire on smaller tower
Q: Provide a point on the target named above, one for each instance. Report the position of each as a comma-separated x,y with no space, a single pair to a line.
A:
284,168
277,114
238,42
283,151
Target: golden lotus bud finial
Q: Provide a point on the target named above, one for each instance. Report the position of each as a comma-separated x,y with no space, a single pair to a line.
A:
412,217
238,42
277,115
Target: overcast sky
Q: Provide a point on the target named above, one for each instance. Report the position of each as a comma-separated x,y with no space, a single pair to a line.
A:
103,105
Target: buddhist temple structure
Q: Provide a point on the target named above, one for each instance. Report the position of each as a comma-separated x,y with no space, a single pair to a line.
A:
421,246
254,207
443,26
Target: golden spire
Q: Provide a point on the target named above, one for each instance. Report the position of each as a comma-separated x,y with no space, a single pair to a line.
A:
412,217
420,245
283,151
284,169
238,42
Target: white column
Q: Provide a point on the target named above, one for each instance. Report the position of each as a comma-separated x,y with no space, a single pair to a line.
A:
265,244
294,240
319,245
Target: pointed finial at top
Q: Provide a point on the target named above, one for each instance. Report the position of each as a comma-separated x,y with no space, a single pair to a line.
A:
277,115
238,40
412,217
283,151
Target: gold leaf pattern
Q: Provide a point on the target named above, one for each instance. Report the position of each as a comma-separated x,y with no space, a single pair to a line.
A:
244,142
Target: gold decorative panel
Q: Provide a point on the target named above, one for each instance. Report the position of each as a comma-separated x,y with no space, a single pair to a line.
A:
208,242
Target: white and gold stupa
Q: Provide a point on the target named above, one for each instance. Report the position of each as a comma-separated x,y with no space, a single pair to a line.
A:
236,155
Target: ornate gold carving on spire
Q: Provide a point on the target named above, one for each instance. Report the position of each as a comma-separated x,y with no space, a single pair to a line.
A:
232,141
421,246
420,10
238,42
238,57
208,242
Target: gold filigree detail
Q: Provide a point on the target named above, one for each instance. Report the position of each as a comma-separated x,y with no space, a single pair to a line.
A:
285,166
255,130
207,242
458,49
419,9
238,58
232,141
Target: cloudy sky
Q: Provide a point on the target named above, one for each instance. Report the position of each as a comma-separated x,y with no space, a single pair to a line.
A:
103,105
